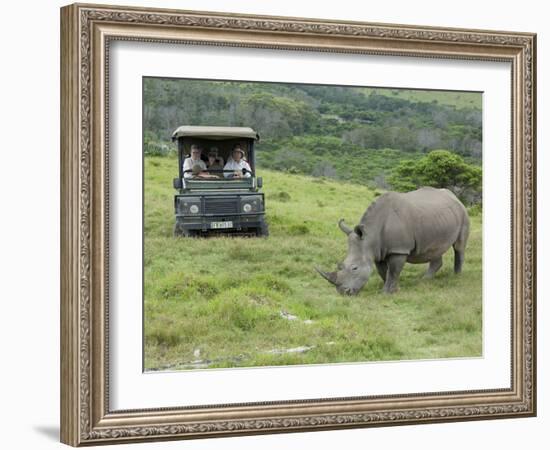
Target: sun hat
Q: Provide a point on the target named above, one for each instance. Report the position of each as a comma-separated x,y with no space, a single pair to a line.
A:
238,148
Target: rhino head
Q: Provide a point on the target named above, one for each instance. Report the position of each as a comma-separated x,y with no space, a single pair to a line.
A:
354,271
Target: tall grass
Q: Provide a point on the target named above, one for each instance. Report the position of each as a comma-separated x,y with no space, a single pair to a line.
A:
228,302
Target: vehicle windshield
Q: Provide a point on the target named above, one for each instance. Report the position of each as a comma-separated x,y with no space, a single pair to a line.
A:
209,158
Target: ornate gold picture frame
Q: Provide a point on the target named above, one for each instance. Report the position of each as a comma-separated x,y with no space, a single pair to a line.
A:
87,32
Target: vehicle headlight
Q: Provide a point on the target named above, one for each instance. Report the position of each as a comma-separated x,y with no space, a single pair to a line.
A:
251,203
188,205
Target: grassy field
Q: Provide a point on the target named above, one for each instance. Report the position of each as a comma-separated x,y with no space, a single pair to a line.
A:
240,302
450,98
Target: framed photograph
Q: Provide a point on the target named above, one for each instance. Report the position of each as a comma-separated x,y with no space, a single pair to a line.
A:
275,224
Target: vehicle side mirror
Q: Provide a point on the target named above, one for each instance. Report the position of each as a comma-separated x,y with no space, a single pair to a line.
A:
177,183
259,182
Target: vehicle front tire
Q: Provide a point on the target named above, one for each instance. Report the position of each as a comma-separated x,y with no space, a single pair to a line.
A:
262,230
181,231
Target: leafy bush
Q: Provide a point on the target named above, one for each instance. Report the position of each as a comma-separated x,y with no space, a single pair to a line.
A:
440,169
297,230
280,196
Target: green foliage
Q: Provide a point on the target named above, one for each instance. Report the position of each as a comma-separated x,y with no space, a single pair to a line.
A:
298,229
152,147
284,116
342,133
450,98
411,121
404,177
330,157
280,196
475,210
226,297
440,169
155,148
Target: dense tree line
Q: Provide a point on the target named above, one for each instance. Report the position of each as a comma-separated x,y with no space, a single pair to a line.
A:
284,110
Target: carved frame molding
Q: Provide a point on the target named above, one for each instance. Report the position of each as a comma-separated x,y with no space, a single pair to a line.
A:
86,32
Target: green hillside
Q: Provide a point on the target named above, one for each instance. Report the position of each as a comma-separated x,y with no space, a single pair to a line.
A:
340,132
456,99
229,302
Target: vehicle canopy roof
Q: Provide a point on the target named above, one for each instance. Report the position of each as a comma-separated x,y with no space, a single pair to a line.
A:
207,132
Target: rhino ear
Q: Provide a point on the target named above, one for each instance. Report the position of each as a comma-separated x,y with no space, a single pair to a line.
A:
360,231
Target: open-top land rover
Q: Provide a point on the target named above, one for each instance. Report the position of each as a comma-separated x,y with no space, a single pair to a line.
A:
216,194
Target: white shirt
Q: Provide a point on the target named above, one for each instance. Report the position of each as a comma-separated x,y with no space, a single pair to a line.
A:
234,165
188,165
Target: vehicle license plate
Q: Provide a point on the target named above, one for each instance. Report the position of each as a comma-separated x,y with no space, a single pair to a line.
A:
218,225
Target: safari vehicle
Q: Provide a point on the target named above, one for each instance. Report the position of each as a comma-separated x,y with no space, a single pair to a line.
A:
215,200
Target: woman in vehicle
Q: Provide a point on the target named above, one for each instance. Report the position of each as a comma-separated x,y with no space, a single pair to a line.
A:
237,163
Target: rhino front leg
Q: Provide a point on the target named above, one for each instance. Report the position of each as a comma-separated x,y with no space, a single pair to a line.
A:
395,265
382,268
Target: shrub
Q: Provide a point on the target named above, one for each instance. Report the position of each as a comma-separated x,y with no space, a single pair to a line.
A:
296,230
281,196
164,337
440,169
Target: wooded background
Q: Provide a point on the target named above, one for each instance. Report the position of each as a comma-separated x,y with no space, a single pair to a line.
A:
371,136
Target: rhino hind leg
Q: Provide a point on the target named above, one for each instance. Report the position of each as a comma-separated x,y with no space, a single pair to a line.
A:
395,266
435,265
459,260
460,247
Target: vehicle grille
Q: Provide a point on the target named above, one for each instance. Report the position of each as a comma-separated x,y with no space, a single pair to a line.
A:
221,206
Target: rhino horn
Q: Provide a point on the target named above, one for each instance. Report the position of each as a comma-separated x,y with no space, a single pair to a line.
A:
329,276
344,227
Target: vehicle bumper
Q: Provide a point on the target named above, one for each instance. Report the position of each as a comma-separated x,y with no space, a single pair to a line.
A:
239,222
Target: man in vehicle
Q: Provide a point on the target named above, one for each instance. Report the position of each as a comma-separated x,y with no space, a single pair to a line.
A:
237,163
195,158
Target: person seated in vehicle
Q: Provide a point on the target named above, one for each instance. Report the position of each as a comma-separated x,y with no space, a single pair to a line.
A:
215,162
237,163
190,162
198,172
